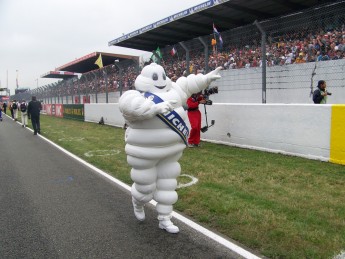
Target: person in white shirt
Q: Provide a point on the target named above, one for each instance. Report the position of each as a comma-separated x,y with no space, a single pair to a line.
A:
24,113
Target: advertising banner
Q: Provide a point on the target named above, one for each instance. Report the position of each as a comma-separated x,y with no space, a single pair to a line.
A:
53,110
48,109
4,98
73,111
58,110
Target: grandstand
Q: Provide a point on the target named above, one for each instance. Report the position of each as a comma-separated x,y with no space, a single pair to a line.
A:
81,78
299,34
4,95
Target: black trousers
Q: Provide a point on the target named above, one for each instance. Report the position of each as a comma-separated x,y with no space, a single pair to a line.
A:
35,120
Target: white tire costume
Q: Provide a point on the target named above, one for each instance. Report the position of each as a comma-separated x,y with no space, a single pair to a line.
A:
152,148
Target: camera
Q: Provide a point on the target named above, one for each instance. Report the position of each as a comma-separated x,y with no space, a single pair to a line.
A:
212,90
208,92
328,93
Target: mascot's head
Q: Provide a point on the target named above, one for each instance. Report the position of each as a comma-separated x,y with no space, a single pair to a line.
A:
153,79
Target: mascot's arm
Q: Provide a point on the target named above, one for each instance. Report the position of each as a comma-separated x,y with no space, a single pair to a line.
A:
135,107
196,83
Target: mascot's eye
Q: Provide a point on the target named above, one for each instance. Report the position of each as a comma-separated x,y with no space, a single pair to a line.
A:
154,76
164,77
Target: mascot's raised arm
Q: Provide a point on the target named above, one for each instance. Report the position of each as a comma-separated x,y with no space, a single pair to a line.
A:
157,135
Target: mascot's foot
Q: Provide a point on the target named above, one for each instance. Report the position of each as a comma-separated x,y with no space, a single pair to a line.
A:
139,211
166,224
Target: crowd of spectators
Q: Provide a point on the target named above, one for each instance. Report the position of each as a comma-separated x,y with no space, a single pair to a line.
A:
294,48
291,48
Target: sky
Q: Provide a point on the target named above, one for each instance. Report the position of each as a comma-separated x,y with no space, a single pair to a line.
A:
38,36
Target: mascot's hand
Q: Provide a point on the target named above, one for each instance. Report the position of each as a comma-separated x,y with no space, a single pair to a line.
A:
213,75
164,107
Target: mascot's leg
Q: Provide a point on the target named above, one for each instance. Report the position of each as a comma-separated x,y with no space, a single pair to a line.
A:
167,172
144,175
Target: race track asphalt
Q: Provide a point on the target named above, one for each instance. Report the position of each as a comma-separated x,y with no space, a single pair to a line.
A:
53,206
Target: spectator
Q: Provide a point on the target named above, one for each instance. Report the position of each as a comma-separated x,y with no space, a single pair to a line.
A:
24,113
4,106
300,58
1,111
34,109
320,94
15,110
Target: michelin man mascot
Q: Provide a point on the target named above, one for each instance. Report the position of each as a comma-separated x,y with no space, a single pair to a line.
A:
156,137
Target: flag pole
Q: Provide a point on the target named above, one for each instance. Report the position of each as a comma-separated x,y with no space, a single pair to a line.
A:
17,79
214,37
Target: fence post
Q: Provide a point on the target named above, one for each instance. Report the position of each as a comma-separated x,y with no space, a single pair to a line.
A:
263,50
187,57
205,53
96,81
51,93
79,101
66,87
106,84
117,64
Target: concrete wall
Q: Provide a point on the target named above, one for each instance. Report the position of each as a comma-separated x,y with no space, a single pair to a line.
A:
296,129
110,113
300,129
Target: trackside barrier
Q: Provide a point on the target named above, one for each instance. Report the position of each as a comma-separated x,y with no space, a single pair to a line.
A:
67,111
110,113
305,130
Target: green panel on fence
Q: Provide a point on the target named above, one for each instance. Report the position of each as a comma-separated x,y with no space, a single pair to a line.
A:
73,111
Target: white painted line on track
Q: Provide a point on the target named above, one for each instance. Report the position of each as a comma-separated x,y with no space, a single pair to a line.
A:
233,247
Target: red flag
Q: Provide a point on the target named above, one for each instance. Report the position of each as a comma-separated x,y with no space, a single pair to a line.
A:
173,51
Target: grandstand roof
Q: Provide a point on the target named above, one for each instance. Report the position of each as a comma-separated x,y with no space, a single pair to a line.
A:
59,74
197,21
87,62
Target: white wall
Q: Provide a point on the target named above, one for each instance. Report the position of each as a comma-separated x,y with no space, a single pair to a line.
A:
110,113
296,129
300,129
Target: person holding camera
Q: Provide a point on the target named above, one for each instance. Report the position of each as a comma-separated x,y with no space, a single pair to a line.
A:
194,116
320,94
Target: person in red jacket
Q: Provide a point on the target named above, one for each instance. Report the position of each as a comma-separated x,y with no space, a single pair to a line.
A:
194,116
